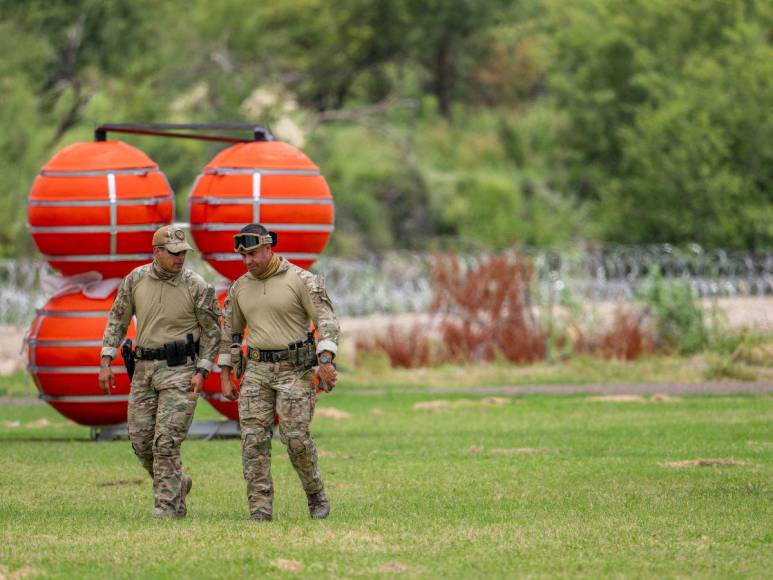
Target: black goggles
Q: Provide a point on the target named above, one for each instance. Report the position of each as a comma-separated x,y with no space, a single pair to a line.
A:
247,242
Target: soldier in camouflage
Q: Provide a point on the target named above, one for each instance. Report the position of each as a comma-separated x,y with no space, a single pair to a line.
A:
274,302
174,309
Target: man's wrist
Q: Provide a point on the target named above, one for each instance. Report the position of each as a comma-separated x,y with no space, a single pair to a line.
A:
200,371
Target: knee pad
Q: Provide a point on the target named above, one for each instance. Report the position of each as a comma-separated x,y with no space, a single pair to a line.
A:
252,447
142,443
296,445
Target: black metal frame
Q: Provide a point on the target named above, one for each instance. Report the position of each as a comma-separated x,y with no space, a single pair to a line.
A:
173,130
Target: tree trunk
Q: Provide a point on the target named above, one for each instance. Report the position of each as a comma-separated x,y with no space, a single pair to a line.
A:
444,75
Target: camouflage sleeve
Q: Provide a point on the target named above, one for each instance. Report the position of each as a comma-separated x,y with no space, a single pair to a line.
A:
207,312
224,351
233,321
119,318
326,322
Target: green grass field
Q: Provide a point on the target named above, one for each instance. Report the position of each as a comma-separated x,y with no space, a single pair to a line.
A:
523,486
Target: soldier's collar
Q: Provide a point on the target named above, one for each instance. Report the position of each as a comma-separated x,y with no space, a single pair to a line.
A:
284,265
159,273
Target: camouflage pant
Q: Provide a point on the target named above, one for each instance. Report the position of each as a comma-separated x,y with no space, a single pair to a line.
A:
266,389
161,408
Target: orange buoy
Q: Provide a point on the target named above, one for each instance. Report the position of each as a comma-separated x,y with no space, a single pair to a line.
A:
64,345
95,206
267,182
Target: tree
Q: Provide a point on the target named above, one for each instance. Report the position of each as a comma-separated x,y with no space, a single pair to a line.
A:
666,106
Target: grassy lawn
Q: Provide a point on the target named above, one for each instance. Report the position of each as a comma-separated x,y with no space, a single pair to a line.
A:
471,487
656,369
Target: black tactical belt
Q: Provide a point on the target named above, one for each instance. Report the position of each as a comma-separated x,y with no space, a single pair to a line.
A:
143,353
268,355
159,353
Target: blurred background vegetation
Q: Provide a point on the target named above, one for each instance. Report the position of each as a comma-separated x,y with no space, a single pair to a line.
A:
486,121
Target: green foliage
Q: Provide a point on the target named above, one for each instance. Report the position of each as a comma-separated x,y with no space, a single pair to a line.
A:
634,121
17,384
381,198
488,180
747,344
668,126
678,315
720,367
742,355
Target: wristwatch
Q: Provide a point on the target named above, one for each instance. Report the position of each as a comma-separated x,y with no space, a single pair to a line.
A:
325,359
203,372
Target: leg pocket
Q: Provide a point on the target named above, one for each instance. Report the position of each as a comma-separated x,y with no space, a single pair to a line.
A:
175,413
257,410
294,416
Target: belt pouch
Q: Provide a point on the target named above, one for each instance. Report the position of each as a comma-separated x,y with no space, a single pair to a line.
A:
176,353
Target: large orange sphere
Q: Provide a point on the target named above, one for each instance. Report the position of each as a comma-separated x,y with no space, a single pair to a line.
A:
95,206
267,182
64,345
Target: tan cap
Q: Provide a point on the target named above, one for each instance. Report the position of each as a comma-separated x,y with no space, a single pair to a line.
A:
171,238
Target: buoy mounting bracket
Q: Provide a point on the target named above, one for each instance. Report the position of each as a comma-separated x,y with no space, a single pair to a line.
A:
186,131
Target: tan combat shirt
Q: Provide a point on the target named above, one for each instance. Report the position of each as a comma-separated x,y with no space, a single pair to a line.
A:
166,311
276,311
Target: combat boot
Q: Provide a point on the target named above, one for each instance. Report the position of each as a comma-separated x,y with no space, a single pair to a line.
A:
319,505
187,484
259,517
162,514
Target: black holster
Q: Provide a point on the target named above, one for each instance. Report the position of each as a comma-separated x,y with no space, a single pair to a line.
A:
127,352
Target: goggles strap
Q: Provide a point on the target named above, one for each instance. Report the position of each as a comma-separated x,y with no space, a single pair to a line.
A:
247,242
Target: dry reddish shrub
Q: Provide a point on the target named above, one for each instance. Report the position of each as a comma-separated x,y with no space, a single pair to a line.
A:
408,348
485,307
482,309
364,342
626,338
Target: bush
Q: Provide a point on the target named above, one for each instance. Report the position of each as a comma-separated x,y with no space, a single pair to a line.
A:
625,338
485,308
679,319
409,348
724,367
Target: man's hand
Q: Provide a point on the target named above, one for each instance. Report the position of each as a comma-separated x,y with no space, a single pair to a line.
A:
106,377
226,386
327,375
197,383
